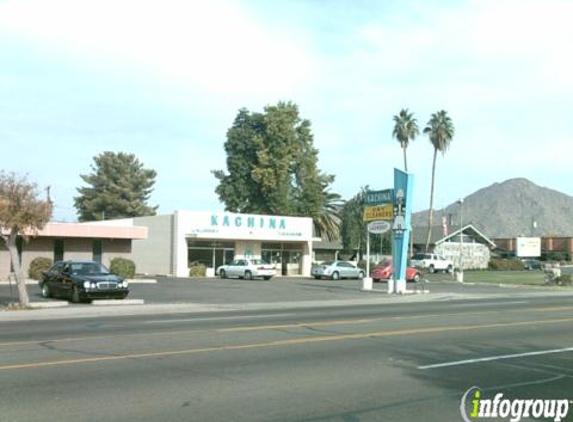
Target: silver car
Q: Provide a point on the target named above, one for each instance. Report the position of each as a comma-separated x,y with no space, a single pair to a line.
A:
337,270
248,269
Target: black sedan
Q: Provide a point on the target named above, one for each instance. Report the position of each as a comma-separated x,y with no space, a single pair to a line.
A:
82,281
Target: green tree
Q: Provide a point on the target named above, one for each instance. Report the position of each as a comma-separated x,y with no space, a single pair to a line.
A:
352,230
440,130
272,169
405,130
329,217
119,187
22,214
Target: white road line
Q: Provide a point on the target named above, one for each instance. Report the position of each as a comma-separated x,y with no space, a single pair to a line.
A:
492,358
469,305
167,321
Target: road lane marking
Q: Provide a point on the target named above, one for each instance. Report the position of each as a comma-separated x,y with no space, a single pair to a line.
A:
468,305
301,325
499,357
282,326
291,342
166,321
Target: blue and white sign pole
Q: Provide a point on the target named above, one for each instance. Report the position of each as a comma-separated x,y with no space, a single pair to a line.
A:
402,229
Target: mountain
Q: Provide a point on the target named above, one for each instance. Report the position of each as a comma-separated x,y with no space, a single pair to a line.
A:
509,209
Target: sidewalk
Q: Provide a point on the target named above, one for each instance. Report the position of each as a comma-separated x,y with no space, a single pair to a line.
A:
88,311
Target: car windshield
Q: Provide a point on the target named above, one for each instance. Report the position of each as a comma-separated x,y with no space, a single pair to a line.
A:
88,268
418,257
258,262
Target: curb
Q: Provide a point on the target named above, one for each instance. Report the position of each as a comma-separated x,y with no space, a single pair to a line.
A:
118,302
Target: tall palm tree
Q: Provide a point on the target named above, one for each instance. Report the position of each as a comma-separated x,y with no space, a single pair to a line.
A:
328,220
405,130
440,130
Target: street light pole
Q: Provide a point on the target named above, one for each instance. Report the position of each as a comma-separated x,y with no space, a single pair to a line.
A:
460,276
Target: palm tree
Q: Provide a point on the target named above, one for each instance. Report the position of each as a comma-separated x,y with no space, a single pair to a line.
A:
440,130
328,220
405,130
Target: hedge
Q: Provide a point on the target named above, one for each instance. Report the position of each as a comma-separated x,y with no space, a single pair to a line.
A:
37,266
198,270
123,267
505,264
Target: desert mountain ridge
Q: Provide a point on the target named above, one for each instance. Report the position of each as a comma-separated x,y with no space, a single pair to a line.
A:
510,209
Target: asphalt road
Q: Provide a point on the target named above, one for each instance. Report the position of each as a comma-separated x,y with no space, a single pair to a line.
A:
347,364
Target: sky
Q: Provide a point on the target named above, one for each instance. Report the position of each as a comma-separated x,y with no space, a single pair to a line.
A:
165,79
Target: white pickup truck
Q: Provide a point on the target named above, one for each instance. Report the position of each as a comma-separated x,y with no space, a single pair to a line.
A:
432,262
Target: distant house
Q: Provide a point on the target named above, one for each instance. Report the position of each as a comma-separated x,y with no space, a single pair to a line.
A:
469,244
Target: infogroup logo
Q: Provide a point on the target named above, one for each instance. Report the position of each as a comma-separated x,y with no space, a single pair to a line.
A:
474,406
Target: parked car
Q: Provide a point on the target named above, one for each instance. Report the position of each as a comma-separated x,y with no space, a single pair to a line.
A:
432,262
532,264
247,269
82,281
337,270
385,272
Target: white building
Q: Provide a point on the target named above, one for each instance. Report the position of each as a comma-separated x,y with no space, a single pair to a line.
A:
176,241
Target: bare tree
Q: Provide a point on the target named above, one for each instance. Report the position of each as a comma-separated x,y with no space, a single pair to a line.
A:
22,213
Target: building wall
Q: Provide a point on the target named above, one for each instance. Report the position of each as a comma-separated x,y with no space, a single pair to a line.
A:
116,248
548,244
155,254
78,249
39,247
4,261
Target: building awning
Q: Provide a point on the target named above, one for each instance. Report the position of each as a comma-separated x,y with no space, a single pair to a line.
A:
91,231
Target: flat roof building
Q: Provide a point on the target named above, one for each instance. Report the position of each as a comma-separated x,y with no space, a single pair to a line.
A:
176,241
97,241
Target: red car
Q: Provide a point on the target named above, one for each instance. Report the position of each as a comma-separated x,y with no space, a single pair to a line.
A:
385,273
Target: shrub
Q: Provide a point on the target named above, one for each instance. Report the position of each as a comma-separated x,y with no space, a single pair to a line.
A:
37,266
197,270
123,267
505,264
566,280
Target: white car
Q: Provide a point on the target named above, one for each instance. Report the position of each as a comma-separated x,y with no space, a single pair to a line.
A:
247,269
432,262
336,270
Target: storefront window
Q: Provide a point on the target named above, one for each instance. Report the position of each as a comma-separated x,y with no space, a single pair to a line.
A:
209,253
286,257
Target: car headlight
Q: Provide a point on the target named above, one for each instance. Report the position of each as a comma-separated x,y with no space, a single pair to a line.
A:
86,284
124,284
94,285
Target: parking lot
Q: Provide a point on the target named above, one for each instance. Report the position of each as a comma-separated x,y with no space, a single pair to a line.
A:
279,289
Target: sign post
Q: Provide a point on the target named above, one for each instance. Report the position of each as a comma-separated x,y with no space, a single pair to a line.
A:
403,184
378,206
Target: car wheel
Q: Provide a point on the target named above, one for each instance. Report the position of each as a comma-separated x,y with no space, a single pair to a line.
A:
417,278
450,269
335,275
248,275
267,277
360,275
431,269
46,290
75,295
317,277
222,274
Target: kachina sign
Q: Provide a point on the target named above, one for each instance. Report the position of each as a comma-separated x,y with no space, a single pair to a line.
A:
259,222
